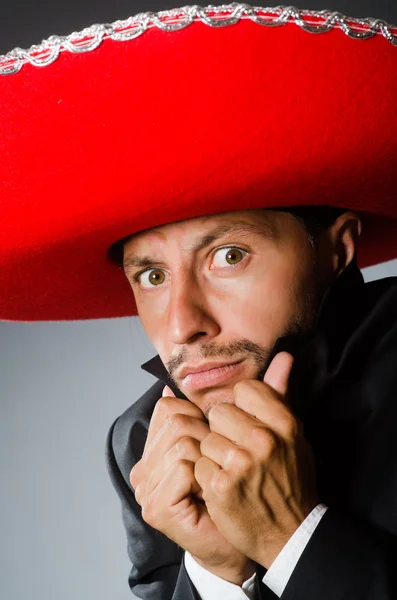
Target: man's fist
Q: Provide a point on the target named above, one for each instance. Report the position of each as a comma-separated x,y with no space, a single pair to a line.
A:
257,471
166,488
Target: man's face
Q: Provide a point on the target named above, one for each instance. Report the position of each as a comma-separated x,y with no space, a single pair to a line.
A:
222,289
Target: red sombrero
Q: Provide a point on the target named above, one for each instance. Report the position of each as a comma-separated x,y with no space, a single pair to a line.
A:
184,113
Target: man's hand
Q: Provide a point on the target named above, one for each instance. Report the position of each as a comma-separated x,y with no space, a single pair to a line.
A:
166,488
257,471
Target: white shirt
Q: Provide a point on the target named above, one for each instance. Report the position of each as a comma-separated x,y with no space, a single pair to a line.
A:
212,587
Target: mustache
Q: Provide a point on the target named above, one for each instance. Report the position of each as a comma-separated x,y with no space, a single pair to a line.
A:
235,350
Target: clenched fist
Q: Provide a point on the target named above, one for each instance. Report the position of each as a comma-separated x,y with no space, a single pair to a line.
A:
170,497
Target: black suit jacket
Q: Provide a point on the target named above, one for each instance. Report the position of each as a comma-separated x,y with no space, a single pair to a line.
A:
343,386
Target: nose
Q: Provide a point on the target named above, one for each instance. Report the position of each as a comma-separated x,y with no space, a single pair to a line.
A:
188,311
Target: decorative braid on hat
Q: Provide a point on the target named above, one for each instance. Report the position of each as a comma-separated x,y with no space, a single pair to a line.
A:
172,20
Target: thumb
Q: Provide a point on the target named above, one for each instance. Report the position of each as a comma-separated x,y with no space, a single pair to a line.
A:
277,375
167,391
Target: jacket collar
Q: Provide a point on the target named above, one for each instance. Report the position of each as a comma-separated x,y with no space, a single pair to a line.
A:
338,315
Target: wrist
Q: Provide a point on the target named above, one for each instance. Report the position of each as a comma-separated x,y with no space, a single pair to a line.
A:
232,573
268,558
271,551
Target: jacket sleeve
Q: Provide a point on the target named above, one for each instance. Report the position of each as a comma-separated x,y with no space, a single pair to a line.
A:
158,571
345,559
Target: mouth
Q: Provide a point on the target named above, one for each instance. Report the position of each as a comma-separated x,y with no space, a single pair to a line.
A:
211,377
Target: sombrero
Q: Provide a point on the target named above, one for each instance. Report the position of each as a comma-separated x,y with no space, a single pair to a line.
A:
183,113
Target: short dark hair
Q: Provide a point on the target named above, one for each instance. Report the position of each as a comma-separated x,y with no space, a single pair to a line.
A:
116,252
315,219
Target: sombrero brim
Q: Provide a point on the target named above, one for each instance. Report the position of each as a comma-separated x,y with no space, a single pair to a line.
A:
171,125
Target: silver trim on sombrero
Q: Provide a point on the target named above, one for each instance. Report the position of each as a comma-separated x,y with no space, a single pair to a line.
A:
172,20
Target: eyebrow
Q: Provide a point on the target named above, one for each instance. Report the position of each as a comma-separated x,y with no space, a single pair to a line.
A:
239,228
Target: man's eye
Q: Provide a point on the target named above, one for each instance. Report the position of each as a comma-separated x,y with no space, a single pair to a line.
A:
151,277
231,254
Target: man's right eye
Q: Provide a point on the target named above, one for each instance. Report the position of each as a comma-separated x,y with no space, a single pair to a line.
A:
150,277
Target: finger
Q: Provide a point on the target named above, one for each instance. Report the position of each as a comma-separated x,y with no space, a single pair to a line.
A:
238,424
138,493
219,449
277,375
185,449
262,405
178,482
207,472
167,391
164,409
178,426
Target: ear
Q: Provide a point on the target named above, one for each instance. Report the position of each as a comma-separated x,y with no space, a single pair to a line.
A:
344,235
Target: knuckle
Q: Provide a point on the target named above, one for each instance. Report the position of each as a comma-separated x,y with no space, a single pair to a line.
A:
183,467
149,513
291,428
223,484
238,459
183,470
165,407
264,439
259,435
271,445
134,480
186,446
162,407
178,422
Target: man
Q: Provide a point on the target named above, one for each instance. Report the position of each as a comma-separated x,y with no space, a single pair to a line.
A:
224,289
233,164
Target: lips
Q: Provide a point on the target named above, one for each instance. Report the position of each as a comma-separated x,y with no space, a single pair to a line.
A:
203,367
211,377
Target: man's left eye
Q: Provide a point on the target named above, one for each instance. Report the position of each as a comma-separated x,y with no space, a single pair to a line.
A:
231,254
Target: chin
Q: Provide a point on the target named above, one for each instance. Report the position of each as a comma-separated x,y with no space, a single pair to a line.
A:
212,397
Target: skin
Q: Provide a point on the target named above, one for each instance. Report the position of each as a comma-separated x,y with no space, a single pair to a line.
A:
201,477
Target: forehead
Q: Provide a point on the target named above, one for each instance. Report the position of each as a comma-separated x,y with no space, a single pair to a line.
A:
258,219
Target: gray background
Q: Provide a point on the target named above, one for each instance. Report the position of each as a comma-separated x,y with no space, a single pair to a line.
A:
63,384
